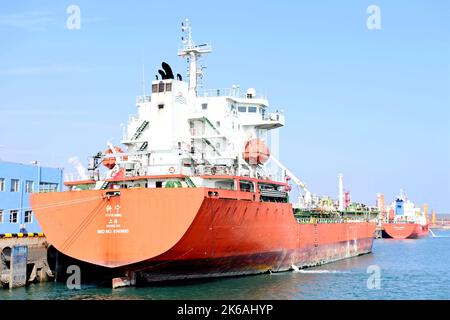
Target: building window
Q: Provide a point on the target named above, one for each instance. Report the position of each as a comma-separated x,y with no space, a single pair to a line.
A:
161,87
252,109
14,185
29,186
204,106
168,86
160,106
242,109
28,216
1,216
154,88
14,216
48,187
2,184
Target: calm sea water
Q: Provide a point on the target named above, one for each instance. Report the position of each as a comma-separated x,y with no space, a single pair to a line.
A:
409,269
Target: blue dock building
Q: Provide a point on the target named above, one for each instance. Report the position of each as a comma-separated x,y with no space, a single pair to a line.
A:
17,182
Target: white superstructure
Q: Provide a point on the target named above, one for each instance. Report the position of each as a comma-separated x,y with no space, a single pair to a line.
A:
196,133
182,130
406,210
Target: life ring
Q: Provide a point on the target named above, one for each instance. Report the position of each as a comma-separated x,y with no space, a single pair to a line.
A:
171,170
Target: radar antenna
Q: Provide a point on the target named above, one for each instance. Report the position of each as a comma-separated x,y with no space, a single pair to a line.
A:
192,53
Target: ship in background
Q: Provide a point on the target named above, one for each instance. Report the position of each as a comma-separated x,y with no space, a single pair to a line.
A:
196,193
405,220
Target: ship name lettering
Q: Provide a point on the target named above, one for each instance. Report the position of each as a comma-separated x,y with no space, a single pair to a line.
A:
113,225
113,215
121,231
110,231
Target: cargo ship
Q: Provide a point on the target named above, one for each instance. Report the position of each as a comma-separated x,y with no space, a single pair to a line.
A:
405,221
196,193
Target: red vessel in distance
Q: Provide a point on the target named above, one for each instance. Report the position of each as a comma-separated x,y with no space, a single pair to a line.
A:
405,230
405,221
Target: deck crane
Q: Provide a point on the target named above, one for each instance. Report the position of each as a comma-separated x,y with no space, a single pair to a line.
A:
306,201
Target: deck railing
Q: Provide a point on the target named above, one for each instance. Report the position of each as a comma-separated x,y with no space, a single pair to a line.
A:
226,92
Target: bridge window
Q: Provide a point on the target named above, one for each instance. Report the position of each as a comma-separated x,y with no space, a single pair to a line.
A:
252,109
204,106
154,88
168,86
161,87
242,109
2,184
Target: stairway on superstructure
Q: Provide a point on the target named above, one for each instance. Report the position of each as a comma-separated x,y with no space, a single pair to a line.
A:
205,139
139,132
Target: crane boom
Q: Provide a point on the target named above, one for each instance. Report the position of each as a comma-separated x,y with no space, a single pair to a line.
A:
304,202
296,180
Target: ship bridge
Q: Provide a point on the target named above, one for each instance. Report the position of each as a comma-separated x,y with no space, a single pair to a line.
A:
249,107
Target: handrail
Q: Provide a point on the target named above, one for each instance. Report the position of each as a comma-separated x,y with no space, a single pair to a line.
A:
225,92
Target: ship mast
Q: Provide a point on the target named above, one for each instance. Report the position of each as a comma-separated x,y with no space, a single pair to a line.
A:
192,53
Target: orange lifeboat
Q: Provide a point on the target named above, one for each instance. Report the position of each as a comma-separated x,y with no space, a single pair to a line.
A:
111,162
256,152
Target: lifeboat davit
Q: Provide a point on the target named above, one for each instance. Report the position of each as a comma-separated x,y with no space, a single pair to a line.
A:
256,152
111,162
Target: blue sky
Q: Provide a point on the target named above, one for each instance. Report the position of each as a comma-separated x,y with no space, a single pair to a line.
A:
372,104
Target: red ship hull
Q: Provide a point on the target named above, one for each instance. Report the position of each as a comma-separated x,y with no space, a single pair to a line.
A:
404,230
203,235
258,238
